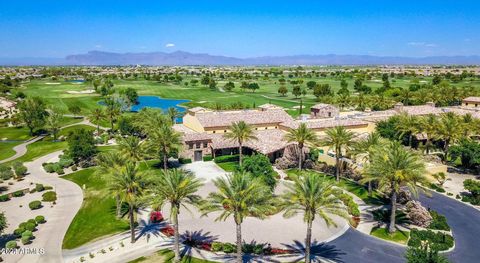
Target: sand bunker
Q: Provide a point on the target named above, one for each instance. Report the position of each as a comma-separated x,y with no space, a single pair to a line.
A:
53,83
88,91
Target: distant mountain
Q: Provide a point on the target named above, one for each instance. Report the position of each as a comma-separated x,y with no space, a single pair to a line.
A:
181,58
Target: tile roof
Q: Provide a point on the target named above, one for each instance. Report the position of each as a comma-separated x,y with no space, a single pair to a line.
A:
420,110
326,123
472,99
226,118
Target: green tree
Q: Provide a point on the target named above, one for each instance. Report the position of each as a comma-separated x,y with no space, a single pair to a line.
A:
97,116
108,166
176,188
164,141
253,86
239,195
339,139
296,91
33,113
311,84
312,195
363,149
424,254
131,96
53,122
408,125
130,185
240,132
258,165
303,136
394,167
173,113
450,131
429,126
322,90
282,90
131,148
81,145
229,86
113,111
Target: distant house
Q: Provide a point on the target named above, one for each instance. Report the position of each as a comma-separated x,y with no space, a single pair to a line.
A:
323,110
471,102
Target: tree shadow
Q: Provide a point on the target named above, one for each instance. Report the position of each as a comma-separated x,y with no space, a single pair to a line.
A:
193,239
318,251
149,229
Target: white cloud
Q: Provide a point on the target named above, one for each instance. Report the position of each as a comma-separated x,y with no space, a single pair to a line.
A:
98,46
170,45
421,44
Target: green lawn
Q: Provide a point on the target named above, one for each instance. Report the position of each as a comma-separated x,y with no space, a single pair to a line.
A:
167,256
67,130
96,217
6,149
351,186
228,166
41,148
398,236
14,133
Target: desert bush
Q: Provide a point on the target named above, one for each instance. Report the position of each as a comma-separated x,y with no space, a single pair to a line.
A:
18,232
33,221
30,227
39,187
11,244
19,168
417,214
217,246
5,172
25,240
35,205
49,167
4,198
18,193
40,219
49,196
229,248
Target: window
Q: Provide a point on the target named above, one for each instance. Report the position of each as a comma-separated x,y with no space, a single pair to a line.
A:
224,130
266,128
205,145
190,146
214,131
198,145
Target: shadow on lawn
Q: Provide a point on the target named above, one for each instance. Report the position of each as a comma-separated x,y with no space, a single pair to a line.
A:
318,252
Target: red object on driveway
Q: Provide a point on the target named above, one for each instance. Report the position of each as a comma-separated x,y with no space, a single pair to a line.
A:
156,217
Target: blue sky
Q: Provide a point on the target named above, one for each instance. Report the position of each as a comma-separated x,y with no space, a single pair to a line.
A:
50,28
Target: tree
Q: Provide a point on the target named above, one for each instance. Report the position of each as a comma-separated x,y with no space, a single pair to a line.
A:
205,80
96,116
164,141
112,111
240,132
365,148
357,85
81,145
312,195
296,91
407,125
33,113
441,178
253,86
53,122
283,90
3,222
258,165
173,113
130,185
177,188
303,136
428,126
395,167
131,96
450,131
229,86
131,148
108,166
339,139
322,90
74,109
239,195
311,84
468,151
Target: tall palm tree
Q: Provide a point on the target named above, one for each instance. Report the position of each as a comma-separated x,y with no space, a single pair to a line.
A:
394,167
339,139
303,136
130,184
470,125
450,130
408,124
364,149
240,132
177,188
312,195
239,196
108,167
148,120
131,148
97,115
173,114
164,141
113,111
428,125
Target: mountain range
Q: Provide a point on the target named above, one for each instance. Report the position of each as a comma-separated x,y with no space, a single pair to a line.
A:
182,58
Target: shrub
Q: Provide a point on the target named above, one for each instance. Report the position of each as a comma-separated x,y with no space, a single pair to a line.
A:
227,158
348,201
58,168
439,221
35,205
217,246
22,225
184,160
252,248
438,241
49,196
74,168
33,221
18,232
5,172
40,219
27,233
65,162
259,165
11,244
18,193
39,187
30,227
207,158
48,188
229,248
4,198
25,240
19,168
49,167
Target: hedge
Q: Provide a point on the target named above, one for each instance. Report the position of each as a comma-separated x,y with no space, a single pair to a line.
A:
227,158
184,160
438,241
18,193
25,240
40,219
32,221
4,198
207,158
225,247
30,227
27,233
439,221
18,232
35,205
49,196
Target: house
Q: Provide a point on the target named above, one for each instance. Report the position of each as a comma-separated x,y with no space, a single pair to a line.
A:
323,110
471,102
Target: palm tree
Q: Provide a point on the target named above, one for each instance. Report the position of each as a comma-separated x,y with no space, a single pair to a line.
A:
131,148
53,122
130,185
394,167
177,187
302,136
108,167
450,130
113,111
340,140
312,195
239,195
148,120
407,124
470,125
96,116
428,126
173,114
364,149
240,132
164,141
